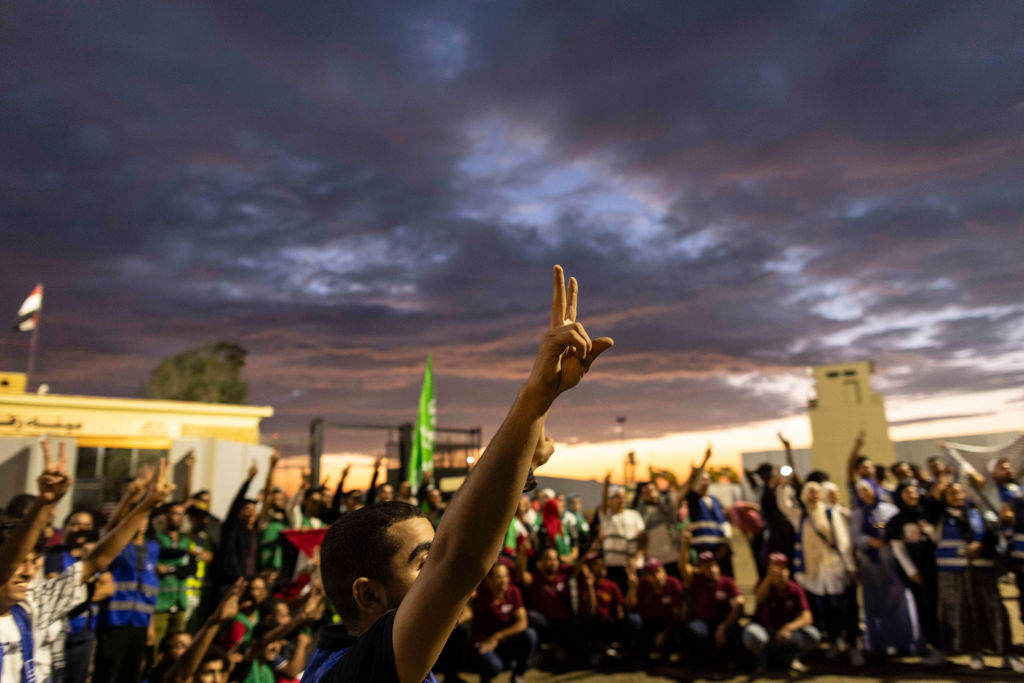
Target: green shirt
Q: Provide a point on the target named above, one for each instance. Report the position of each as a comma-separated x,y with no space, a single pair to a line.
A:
172,594
271,552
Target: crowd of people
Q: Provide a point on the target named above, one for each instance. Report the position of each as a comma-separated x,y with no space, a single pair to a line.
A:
403,585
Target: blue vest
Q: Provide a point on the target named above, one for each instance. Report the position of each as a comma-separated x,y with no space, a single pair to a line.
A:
28,664
1011,493
798,545
951,555
706,525
135,587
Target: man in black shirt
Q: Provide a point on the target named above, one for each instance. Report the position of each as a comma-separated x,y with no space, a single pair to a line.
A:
400,588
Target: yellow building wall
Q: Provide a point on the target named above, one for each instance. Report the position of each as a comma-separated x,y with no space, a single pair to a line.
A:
224,438
127,423
846,405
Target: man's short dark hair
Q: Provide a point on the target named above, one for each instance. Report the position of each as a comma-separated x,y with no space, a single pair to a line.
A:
215,653
818,476
7,527
358,545
861,459
18,506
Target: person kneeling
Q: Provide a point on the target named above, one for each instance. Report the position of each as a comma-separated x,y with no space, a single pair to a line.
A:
717,607
783,626
501,636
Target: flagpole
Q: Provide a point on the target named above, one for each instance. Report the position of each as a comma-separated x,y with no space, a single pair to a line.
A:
32,345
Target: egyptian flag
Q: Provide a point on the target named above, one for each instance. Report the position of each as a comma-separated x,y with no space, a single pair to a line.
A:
28,314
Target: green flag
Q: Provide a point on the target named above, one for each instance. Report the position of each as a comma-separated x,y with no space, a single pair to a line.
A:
421,457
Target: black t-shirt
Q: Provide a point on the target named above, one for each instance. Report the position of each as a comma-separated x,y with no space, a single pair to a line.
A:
370,657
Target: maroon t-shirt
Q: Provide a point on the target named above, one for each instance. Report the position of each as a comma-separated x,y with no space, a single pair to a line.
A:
608,597
711,600
490,615
779,609
657,606
550,596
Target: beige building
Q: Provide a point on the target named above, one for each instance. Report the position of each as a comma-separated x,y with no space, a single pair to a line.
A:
108,439
845,405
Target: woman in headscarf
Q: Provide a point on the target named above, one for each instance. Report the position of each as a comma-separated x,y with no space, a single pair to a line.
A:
971,614
822,564
552,534
889,612
909,534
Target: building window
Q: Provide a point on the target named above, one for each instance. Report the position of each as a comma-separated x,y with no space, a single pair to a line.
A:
101,473
833,374
851,392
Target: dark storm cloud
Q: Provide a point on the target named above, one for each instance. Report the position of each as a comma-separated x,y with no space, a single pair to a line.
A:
742,191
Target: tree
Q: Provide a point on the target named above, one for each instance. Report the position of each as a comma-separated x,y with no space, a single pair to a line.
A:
211,373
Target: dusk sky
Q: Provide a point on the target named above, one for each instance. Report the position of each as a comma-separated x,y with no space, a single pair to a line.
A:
743,190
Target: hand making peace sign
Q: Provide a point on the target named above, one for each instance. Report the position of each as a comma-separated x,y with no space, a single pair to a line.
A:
55,481
566,351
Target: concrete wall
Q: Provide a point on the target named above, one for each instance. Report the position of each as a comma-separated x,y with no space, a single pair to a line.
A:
844,406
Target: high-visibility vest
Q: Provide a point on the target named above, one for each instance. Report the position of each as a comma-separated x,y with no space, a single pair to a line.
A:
1012,494
707,524
951,554
135,587
194,583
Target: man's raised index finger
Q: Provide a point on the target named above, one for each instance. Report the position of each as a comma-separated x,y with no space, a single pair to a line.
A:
558,299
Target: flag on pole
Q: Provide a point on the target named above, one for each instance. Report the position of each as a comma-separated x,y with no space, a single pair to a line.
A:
421,456
28,314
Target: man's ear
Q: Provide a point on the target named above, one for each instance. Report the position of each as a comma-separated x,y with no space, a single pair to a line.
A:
369,596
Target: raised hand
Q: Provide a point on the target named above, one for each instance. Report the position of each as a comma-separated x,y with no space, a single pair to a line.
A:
314,607
783,439
545,448
275,458
707,456
566,351
161,488
253,469
55,481
190,459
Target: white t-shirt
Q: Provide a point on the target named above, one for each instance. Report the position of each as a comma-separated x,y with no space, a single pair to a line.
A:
46,602
621,536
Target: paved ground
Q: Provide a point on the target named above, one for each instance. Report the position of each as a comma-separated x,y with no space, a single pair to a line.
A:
821,671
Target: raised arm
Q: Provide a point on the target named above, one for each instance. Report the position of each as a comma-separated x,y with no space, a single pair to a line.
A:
851,460
339,493
112,543
471,531
239,502
134,491
293,512
185,667
605,490
371,493
789,459
190,463
695,473
268,488
53,483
